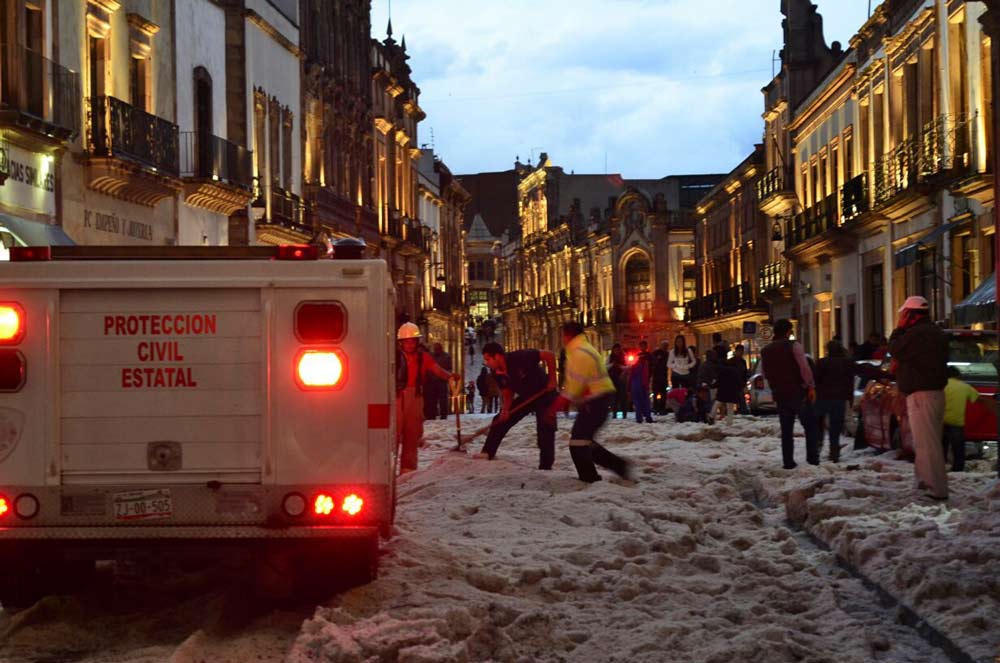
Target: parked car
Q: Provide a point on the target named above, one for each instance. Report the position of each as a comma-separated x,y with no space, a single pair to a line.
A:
883,421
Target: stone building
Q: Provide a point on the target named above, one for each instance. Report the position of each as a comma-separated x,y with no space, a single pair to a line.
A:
732,246
442,208
404,241
338,161
617,255
878,164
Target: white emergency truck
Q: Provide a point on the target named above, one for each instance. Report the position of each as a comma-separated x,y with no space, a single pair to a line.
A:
192,398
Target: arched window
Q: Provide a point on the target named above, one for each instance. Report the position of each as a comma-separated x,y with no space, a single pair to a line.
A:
638,291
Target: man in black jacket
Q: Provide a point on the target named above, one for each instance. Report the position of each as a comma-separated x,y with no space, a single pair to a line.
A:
834,389
791,380
919,349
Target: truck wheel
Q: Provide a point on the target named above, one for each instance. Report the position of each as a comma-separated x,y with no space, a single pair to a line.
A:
21,585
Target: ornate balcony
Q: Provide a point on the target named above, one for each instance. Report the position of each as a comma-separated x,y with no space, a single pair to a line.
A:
597,316
725,302
331,209
854,198
132,155
904,176
38,95
811,223
509,300
775,195
217,173
775,279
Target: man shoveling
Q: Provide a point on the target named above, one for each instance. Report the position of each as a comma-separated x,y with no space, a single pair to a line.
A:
524,388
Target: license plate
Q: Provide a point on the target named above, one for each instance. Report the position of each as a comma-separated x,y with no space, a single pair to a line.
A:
143,504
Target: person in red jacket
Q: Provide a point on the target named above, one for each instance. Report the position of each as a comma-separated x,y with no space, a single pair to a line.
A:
412,364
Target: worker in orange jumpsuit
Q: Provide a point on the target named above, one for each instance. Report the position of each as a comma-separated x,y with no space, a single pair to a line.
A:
412,364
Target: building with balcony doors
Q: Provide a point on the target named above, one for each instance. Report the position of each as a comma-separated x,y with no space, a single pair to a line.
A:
40,120
442,210
732,253
403,239
122,184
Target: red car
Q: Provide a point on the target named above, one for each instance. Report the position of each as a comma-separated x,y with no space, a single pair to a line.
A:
883,423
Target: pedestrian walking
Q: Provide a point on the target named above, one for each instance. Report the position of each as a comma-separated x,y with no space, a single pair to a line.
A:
589,387
957,395
412,365
659,377
638,376
834,390
616,371
791,380
525,387
739,363
729,386
470,398
682,362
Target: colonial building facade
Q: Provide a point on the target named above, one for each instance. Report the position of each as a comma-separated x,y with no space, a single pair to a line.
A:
617,255
876,167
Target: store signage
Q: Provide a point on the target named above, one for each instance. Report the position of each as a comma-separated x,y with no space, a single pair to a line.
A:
113,224
31,181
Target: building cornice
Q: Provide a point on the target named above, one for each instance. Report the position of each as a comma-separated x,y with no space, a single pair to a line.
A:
831,95
273,33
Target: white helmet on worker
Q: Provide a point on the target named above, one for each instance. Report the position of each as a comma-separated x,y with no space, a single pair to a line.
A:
915,303
408,330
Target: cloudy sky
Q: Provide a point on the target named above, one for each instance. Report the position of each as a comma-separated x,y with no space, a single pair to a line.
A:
655,87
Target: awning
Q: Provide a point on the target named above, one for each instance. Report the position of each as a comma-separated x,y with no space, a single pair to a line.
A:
909,253
33,233
980,305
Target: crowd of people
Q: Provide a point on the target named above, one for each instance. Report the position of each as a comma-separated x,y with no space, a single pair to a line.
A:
676,380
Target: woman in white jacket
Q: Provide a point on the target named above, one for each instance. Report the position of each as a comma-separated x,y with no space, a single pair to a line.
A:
681,363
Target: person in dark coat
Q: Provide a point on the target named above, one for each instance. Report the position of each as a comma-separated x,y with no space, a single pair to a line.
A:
661,358
787,371
919,349
739,362
436,390
729,385
483,385
834,389
868,348
470,398
637,376
616,371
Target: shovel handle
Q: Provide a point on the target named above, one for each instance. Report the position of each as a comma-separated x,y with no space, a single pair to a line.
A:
520,406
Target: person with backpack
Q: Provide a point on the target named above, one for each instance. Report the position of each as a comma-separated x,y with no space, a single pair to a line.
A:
412,366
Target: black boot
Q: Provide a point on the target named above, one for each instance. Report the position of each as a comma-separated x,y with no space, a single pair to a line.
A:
615,463
583,460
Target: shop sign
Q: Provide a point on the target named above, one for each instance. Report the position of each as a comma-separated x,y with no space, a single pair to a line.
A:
31,181
115,224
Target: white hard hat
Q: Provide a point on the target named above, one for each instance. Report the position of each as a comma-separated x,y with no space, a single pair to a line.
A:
915,303
408,330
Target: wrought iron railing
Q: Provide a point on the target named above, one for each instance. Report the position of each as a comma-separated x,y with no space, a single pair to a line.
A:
854,198
280,206
597,316
944,144
40,88
731,300
120,130
774,276
509,300
771,183
208,157
813,222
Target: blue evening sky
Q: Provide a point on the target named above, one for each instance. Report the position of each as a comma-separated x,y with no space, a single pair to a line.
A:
656,87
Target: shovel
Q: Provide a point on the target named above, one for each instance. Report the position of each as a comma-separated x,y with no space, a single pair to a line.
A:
471,436
457,391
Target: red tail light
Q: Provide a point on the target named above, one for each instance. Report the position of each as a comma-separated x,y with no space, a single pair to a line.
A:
13,370
30,253
323,505
320,322
4,507
352,505
11,324
298,252
320,369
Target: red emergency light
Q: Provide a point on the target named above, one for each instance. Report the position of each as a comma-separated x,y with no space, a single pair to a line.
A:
30,253
13,370
11,324
4,507
320,369
298,252
631,358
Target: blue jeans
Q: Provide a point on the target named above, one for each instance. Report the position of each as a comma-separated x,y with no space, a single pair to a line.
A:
640,399
787,413
833,410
